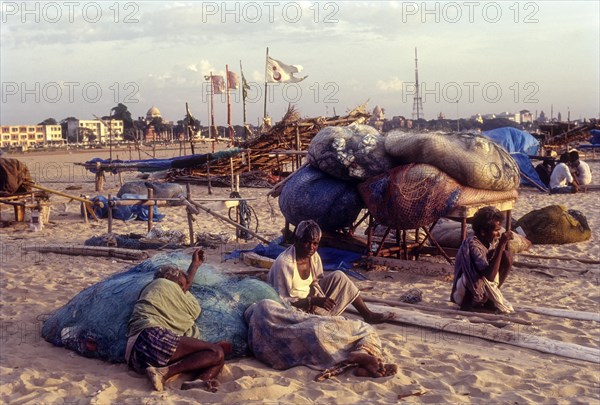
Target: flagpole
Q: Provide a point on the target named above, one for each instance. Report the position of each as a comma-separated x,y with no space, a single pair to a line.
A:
212,113
243,100
228,106
266,88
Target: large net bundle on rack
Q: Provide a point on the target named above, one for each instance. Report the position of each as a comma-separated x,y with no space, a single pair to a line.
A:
470,195
351,152
410,196
472,159
312,194
555,224
94,322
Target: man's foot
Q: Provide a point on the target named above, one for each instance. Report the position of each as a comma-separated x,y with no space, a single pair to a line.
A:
377,318
208,385
157,377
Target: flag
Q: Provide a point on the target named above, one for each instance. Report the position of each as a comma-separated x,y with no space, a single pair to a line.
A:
278,72
233,81
218,84
245,87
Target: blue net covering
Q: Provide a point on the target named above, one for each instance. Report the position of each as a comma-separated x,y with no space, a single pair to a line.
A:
94,322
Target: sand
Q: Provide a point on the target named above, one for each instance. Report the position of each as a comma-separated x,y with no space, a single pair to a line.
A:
441,367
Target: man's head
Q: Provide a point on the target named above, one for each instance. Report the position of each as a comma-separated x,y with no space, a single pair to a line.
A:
308,235
564,158
486,224
574,156
171,273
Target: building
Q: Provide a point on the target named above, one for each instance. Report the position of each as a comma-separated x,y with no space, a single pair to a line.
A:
95,130
152,113
30,135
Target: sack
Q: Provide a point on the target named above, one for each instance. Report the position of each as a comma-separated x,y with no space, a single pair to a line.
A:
13,175
555,225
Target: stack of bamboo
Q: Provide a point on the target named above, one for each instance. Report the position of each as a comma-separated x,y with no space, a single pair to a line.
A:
274,151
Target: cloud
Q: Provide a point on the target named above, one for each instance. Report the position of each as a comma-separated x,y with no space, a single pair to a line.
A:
393,85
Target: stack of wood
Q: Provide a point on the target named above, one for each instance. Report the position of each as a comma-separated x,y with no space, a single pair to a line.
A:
274,151
568,136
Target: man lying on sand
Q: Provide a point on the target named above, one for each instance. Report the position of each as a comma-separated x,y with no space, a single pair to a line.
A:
283,337
297,276
481,266
162,334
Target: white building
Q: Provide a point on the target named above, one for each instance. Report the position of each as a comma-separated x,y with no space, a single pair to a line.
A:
80,130
30,135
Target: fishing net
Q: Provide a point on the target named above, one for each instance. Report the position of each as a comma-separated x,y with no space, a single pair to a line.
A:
139,189
94,322
410,196
472,159
352,152
470,195
313,194
555,225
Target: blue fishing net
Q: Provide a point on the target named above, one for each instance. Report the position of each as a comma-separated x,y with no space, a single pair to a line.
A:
94,322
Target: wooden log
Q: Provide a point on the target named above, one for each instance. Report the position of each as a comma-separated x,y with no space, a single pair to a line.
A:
85,200
150,209
509,335
578,259
448,311
563,313
129,254
517,263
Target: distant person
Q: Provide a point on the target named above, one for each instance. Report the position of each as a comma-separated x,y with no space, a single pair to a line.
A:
297,276
544,170
561,180
163,336
579,169
482,264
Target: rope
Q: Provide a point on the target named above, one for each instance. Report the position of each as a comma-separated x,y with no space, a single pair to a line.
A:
246,214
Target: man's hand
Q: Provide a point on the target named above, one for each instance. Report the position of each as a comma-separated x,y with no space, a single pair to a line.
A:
198,257
323,302
506,236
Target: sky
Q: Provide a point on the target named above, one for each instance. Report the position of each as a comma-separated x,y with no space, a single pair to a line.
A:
80,58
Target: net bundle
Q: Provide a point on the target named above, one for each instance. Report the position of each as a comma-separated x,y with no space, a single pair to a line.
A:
94,322
410,196
313,194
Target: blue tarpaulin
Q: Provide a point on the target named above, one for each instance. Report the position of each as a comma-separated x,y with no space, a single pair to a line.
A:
332,258
519,144
514,140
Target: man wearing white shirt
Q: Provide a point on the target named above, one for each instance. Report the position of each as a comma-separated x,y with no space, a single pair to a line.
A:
561,180
579,169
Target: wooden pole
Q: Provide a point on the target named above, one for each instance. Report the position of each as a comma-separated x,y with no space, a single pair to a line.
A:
190,216
508,335
150,209
232,176
130,254
208,177
581,260
110,216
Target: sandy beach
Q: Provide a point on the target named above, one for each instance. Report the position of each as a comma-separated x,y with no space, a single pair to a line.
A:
434,367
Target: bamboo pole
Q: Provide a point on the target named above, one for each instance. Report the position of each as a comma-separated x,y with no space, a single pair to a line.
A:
80,199
543,266
564,313
110,216
150,209
130,254
511,336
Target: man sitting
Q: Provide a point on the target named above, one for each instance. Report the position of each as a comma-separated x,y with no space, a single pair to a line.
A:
482,265
579,169
561,180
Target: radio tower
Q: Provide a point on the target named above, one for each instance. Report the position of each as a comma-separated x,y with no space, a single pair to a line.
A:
417,102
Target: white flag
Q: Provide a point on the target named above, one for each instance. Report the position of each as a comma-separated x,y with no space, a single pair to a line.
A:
278,72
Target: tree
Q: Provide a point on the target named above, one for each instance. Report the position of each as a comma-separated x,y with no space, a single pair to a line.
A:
49,121
120,112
